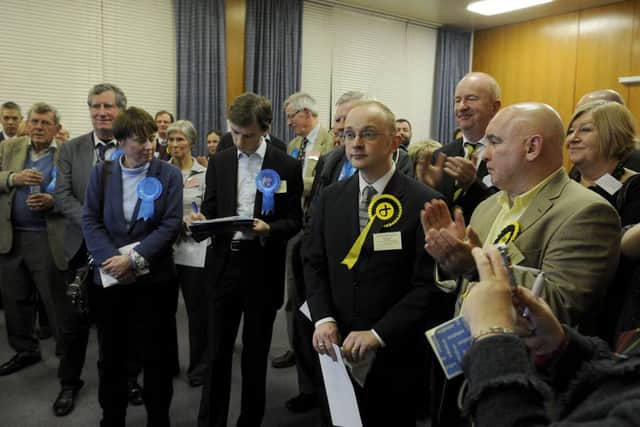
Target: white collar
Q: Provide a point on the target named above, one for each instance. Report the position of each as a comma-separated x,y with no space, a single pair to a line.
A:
260,151
381,183
97,141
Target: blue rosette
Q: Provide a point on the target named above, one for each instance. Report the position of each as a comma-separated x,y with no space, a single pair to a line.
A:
52,184
116,154
149,189
268,182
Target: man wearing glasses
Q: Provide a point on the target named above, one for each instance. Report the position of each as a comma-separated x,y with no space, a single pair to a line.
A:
369,284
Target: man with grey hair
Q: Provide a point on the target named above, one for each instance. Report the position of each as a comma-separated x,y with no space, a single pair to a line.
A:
77,159
31,252
312,141
10,118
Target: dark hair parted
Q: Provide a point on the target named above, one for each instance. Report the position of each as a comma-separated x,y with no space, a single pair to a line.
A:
134,122
165,112
250,108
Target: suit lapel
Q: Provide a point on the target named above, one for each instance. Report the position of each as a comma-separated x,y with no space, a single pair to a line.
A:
113,197
20,154
543,201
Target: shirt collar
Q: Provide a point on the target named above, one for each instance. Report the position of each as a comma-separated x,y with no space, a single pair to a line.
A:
482,141
523,200
97,141
260,151
380,184
52,147
313,134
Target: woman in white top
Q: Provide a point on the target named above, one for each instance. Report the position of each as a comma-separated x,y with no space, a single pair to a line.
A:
188,254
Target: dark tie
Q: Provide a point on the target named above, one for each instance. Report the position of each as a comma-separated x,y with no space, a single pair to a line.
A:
363,212
303,148
102,149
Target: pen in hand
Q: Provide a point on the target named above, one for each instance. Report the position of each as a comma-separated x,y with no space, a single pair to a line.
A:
194,208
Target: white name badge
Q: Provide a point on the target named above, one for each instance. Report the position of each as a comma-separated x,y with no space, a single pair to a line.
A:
283,187
387,241
609,184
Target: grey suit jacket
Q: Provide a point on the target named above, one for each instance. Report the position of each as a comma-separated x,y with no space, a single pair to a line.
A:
572,235
13,154
75,163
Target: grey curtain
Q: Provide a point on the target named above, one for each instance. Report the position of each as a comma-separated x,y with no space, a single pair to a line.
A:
201,65
452,63
273,54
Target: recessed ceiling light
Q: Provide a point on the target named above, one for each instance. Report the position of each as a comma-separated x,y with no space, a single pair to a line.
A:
496,7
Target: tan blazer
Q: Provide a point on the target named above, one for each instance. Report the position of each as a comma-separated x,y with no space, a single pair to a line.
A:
13,155
570,233
322,145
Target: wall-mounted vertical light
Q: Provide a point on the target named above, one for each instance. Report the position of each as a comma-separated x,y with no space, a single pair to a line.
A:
496,7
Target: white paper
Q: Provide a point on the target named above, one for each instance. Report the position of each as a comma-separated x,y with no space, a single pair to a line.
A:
191,253
342,399
107,279
609,184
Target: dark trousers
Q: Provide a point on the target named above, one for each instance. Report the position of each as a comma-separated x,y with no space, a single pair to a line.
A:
29,268
241,291
192,283
140,313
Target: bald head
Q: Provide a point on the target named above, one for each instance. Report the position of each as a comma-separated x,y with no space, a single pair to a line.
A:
525,146
601,94
477,100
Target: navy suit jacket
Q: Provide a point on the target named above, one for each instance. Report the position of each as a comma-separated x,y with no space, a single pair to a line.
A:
104,225
390,291
220,200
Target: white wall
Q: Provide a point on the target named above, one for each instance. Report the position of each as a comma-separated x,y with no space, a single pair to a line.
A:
390,60
56,51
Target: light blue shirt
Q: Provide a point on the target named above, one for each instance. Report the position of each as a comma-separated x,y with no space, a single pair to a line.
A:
249,166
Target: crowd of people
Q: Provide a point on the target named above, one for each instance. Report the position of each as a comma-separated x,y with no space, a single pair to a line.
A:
381,237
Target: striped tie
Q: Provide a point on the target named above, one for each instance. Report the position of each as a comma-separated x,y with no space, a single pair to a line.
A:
363,212
303,148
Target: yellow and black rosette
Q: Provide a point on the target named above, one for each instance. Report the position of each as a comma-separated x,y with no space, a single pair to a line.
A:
508,234
384,211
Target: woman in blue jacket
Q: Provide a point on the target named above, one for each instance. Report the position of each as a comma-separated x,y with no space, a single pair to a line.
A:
131,217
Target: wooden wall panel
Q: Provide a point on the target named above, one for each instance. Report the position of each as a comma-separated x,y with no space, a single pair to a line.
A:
532,61
604,48
634,90
235,21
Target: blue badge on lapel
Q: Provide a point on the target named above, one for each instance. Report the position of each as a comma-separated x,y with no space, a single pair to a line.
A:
268,182
294,153
52,184
149,189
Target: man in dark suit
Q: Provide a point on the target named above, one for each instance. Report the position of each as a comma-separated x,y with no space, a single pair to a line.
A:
77,159
163,119
247,265
379,298
458,170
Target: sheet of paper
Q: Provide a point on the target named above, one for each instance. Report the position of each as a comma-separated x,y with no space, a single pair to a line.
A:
108,280
342,399
191,253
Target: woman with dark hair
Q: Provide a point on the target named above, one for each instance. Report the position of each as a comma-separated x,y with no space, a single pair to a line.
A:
131,217
600,137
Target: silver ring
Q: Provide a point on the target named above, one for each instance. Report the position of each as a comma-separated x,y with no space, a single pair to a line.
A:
321,345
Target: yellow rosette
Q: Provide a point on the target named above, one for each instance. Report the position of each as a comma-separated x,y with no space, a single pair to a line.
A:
383,208
508,234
